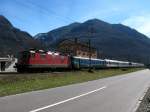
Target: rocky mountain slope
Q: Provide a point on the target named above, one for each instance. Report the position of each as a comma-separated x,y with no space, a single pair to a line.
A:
114,41
13,40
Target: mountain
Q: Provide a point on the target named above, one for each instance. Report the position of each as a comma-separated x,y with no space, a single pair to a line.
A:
52,38
13,40
114,41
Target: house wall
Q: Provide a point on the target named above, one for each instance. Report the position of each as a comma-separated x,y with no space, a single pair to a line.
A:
77,50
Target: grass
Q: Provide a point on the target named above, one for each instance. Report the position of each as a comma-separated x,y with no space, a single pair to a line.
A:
20,83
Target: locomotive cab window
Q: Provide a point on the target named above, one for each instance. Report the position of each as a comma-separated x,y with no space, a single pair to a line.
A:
23,55
32,55
42,55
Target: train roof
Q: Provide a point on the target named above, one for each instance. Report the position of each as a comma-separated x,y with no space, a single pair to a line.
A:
116,61
46,52
122,61
88,58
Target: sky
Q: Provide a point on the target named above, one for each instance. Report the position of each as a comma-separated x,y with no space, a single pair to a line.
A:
40,16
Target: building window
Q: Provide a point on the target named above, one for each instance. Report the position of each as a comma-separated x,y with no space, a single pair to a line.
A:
79,53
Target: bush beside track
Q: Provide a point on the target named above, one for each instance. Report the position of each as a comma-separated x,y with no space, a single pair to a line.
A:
20,83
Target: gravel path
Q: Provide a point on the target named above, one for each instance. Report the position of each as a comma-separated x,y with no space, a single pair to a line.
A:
145,104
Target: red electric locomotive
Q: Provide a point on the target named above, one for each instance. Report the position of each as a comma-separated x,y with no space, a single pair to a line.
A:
31,61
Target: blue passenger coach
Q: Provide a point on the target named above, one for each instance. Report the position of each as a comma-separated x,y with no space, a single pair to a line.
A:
80,62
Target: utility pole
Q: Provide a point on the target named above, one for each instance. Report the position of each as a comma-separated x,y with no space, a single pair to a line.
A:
75,46
91,34
89,56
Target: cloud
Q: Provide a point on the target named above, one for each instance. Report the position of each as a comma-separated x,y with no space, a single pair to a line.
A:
140,23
